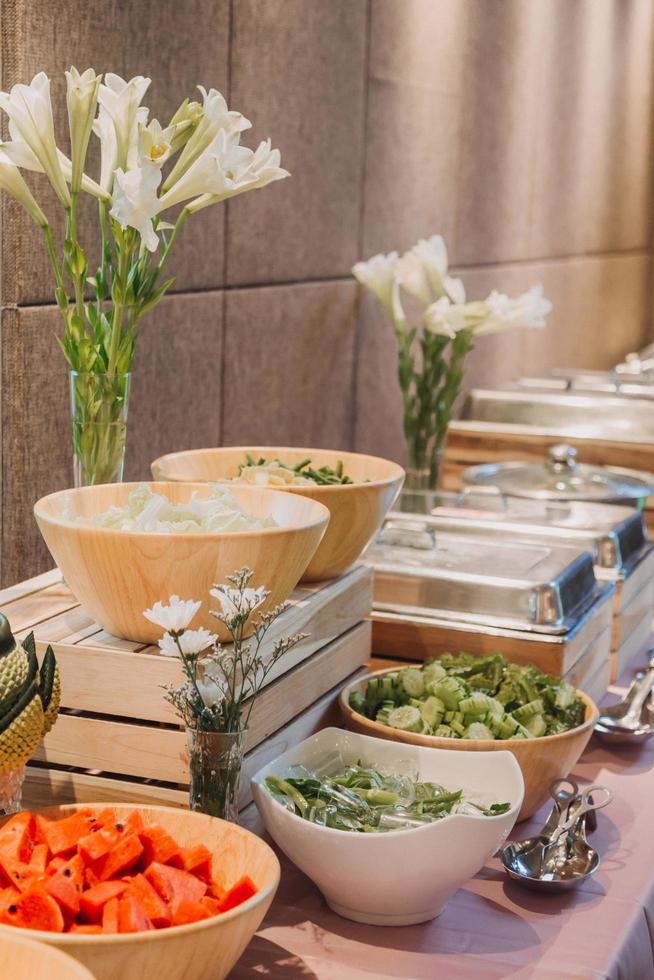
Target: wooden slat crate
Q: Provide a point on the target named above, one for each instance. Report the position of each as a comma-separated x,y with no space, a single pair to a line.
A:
117,735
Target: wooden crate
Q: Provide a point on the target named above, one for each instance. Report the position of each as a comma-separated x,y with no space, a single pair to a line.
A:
117,737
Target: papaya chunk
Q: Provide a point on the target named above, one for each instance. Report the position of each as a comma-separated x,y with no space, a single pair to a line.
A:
17,837
190,912
34,910
84,929
149,901
98,843
62,836
93,901
159,846
212,905
175,885
54,864
131,917
110,916
243,889
39,858
66,885
198,861
120,859
20,875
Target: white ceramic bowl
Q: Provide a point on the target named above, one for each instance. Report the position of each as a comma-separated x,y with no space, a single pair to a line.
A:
404,876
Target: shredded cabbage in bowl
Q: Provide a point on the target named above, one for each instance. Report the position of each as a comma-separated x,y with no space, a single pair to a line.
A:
154,513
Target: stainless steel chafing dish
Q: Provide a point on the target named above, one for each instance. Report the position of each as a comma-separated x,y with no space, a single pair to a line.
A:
566,413
633,376
615,536
440,587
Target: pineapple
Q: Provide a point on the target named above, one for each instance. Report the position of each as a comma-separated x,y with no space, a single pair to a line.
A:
29,697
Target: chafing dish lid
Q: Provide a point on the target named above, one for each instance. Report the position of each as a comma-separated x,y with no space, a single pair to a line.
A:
561,477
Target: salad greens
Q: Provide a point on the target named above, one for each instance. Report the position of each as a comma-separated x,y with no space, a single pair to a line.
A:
472,697
274,472
363,799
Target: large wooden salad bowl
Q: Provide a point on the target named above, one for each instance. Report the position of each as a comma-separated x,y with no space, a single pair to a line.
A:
118,574
357,509
205,950
541,760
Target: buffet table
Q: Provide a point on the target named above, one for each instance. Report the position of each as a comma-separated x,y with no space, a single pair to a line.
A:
493,928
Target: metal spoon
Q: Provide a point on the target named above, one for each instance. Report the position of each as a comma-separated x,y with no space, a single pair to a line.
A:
630,720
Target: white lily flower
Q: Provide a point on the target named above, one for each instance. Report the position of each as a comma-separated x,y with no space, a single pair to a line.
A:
431,253
135,201
30,110
528,310
379,275
220,171
121,101
104,129
257,169
191,642
20,154
11,180
446,318
412,276
236,602
176,616
82,101
216,117
184,122
154,143
496,313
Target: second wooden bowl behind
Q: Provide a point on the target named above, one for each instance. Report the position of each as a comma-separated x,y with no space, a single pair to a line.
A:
357,509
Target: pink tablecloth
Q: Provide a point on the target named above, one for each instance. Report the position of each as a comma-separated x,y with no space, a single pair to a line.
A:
492,928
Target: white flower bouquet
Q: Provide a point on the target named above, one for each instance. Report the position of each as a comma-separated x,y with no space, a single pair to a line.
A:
200,151
221,683
431,354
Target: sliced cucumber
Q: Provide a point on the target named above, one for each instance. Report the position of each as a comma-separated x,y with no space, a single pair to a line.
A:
405,718
413,682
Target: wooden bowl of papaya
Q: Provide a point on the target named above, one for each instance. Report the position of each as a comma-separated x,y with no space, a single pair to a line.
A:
132,892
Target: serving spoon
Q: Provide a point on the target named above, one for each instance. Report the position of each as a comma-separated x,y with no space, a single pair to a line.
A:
630,720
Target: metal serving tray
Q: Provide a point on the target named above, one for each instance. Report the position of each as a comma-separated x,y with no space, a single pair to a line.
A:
596,382
628,419
615,536
491,581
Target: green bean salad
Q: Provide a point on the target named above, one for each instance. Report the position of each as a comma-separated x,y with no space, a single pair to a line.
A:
363,799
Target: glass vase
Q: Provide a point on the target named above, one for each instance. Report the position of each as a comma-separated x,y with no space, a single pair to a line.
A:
99,409
11,790
215,763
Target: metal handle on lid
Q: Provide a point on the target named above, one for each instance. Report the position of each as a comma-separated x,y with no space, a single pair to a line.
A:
562,457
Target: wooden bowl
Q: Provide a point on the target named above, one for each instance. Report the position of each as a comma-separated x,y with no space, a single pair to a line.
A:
117,574
357,509
24,959
205,950
541,760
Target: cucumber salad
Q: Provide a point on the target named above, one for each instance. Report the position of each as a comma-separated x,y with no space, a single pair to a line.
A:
472,697
360,798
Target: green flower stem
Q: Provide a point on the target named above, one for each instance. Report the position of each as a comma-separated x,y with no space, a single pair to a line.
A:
52,255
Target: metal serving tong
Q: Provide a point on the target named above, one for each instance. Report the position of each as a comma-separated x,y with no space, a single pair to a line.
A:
559,856
630,720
